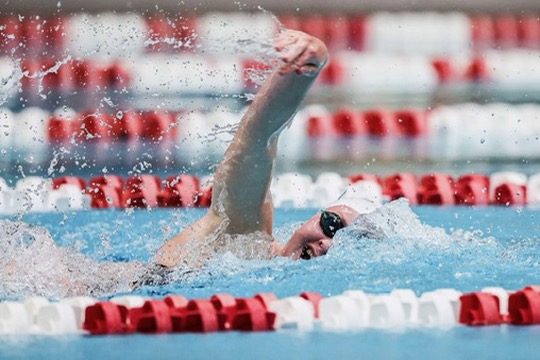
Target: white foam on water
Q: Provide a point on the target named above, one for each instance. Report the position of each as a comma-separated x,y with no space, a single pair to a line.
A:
387,249
31,264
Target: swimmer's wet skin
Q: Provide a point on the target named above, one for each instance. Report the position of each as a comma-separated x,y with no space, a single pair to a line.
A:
330,223
241,202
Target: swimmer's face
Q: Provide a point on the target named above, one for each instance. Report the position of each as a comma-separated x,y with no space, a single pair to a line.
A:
315,237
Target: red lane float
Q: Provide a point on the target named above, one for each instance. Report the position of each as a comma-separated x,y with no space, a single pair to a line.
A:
332,73
480,309
401,185
351,310
477,70
222,312
35,35
199,316
251,315
158,125
113,181
380,122
376,122
205,197
445,70
61,130
160,29
153,317
510,194
524,307
180,191
321,125
529,31
87,75
106,318
436,189
482,31
506,31
411,122
128,125
338,32
141,191
347,121
148,191
472,189
96,126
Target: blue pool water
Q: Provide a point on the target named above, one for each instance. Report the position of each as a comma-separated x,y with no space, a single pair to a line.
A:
463,248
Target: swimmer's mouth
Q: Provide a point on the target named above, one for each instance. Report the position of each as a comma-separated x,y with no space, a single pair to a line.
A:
307,253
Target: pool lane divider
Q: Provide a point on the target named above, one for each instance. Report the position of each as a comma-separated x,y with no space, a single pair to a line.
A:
366,35
289,190
378,31
352,310
494,126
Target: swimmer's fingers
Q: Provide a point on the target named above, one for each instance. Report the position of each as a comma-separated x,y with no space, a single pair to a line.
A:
307,63
284,40
295,47
292,57
300,52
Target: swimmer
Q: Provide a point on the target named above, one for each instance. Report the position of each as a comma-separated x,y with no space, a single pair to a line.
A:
241,214
241,200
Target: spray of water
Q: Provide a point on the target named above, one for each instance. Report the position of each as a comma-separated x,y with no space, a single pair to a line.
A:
32,264
30,261
390,248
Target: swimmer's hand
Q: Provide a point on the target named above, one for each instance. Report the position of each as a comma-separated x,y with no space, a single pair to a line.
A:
300,52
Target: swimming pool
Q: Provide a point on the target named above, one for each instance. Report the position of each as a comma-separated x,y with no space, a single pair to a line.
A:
463,248
490,246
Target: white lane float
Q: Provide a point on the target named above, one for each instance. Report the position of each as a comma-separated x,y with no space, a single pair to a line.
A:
79,305
14,319
351,311
57,318
293,312
343,312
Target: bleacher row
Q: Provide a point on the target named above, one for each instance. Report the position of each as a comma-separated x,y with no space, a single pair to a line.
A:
289,190
352,310
130,34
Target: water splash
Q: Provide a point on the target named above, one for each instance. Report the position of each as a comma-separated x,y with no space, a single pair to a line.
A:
10,82
398,251
390,248
32,264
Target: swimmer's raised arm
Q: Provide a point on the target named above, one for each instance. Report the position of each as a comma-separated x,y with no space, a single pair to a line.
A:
241,203
242,179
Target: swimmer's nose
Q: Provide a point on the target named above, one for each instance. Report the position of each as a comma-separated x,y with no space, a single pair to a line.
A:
324,246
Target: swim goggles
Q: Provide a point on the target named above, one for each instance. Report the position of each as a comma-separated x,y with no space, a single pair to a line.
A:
330,223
